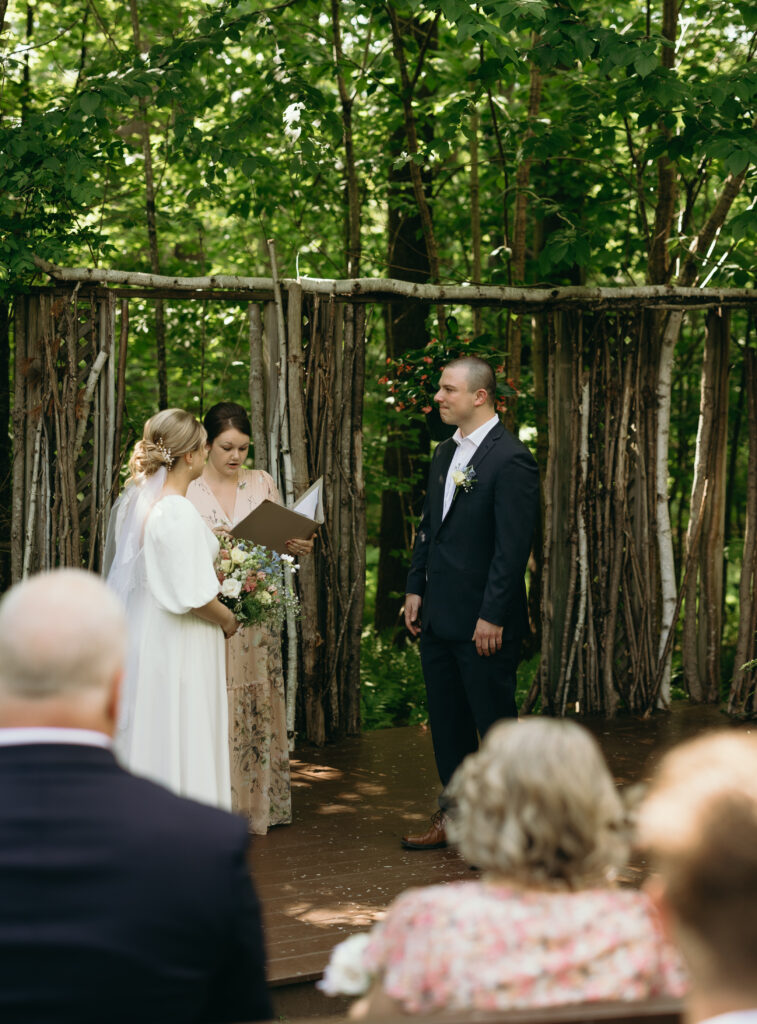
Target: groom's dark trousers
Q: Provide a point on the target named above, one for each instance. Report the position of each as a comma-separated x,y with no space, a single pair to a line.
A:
467,565
120,903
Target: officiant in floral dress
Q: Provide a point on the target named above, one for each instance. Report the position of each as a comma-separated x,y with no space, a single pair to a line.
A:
258,747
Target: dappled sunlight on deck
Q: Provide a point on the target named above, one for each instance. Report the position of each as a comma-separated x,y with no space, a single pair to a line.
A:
339,865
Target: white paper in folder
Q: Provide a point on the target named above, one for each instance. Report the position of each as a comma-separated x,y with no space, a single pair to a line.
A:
311,502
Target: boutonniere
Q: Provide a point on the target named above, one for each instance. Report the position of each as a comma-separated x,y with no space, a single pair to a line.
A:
464,478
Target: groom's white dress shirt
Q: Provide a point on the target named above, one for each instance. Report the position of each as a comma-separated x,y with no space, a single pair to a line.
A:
466,449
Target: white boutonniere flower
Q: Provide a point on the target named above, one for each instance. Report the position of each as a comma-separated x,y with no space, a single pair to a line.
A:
464,478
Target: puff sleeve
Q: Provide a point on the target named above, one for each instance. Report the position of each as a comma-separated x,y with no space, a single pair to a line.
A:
179,552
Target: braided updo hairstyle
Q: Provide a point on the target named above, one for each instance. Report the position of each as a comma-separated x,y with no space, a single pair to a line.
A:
167,436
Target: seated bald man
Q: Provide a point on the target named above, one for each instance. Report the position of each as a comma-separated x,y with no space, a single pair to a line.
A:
119,901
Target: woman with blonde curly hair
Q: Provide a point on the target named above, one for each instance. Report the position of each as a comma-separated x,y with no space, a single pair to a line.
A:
160,559
536,810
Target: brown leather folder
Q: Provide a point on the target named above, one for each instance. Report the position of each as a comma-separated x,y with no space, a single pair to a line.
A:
272,525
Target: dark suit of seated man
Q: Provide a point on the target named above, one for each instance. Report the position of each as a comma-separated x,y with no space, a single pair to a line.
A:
119,901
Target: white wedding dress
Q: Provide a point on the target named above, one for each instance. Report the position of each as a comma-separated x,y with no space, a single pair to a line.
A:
173,722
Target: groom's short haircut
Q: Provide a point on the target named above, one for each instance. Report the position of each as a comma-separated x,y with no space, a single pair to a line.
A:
61,632
480,375
699,826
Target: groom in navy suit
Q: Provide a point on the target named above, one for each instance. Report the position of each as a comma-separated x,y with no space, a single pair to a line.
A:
466,593
119,901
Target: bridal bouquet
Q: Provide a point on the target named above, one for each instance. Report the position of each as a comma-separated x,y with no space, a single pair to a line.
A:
254,582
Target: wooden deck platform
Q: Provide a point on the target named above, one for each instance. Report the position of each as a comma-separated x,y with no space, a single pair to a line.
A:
336,868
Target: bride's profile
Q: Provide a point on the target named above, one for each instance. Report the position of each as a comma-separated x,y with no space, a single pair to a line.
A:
159,558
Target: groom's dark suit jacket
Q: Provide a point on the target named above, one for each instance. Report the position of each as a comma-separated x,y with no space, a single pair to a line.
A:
120,902
471,564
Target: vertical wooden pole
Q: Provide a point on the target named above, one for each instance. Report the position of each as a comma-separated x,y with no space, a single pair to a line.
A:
123,342
19,420
300,481
257,387
271,355
741,699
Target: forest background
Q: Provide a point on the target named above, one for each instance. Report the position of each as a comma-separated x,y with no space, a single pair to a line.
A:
505,142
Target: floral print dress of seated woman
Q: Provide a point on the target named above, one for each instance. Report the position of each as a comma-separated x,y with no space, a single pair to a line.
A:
493,947
258,746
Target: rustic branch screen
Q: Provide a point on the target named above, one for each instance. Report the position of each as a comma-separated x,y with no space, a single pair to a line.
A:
605,636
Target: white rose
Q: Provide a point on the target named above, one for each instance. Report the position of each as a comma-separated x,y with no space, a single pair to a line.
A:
457,477
225,565
345,974
231,588
238,556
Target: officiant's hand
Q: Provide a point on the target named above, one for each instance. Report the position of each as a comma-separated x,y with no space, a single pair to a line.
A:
300,546
413,613
487,637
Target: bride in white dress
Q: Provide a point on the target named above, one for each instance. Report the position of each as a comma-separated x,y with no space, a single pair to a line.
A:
159,558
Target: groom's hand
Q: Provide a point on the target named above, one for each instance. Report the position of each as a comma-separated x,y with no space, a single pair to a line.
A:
413,614
487,637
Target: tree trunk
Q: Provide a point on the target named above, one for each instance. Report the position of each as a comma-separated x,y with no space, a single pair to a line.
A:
152,230
411,136
403,456
353,193
475,215
522,177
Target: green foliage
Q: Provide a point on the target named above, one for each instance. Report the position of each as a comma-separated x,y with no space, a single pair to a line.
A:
245,122
413,380
392,691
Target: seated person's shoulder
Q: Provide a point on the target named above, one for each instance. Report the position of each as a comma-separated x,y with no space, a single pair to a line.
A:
155,812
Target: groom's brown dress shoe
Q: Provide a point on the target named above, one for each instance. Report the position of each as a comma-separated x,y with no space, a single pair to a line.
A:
434,838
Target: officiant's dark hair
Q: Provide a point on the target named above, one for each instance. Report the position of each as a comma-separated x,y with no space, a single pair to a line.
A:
226,416
479,373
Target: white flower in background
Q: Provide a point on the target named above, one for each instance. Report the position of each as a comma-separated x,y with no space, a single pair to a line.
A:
231,588
292,128
238,556
345,974
264,597
225,564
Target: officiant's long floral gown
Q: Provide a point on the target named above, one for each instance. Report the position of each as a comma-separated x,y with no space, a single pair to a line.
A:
258,748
